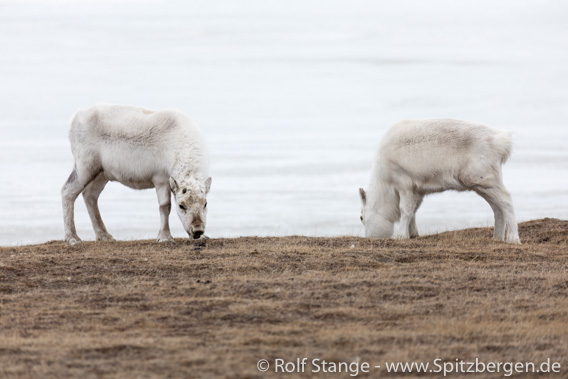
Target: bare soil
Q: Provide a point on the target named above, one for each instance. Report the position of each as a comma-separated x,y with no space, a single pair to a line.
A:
142,309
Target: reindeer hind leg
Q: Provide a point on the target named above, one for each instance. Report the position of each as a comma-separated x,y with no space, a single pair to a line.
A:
80,177
91,195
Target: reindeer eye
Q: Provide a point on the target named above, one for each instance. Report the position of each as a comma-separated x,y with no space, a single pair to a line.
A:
182,207
361,218
205,206
184,191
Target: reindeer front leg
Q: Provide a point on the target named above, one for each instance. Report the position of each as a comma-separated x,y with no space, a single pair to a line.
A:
164,199
409,202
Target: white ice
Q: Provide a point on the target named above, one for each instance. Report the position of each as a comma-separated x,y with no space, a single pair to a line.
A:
293,97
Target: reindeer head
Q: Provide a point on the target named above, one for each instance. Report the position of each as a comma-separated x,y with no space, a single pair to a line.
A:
190,196
376,226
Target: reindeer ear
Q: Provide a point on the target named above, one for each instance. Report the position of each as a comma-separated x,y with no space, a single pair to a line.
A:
173,185
208,185
363,196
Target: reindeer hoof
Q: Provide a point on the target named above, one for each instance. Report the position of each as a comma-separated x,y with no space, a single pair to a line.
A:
73,240
167,240
105,237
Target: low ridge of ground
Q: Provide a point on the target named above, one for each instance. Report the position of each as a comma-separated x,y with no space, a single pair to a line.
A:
142,309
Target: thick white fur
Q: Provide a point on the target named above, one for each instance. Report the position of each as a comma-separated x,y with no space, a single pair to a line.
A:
419,157
140,149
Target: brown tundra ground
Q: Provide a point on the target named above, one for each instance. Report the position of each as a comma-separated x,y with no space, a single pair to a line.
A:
142,309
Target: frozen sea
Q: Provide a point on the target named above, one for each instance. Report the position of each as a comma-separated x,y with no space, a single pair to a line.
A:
292,96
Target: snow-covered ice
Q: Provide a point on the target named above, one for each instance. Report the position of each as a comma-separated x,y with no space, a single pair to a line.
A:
293,97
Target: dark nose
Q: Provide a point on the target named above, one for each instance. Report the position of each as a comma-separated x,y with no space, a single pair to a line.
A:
197,234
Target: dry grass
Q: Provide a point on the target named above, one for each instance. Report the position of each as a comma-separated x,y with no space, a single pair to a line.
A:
141,309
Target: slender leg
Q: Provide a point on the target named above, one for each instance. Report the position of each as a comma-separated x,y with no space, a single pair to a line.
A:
91,196
413,230
511,228
499,231
505,224
77,181
409,202
164,199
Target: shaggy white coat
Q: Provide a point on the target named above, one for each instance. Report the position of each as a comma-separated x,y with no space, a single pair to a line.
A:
419,157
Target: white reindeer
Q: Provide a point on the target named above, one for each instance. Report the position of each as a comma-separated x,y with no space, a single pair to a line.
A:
419,157
140,149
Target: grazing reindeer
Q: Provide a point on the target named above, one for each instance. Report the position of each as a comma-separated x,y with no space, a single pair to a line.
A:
419,157
140,149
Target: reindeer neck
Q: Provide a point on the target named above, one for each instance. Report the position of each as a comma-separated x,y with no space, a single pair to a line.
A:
383,200
186,165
